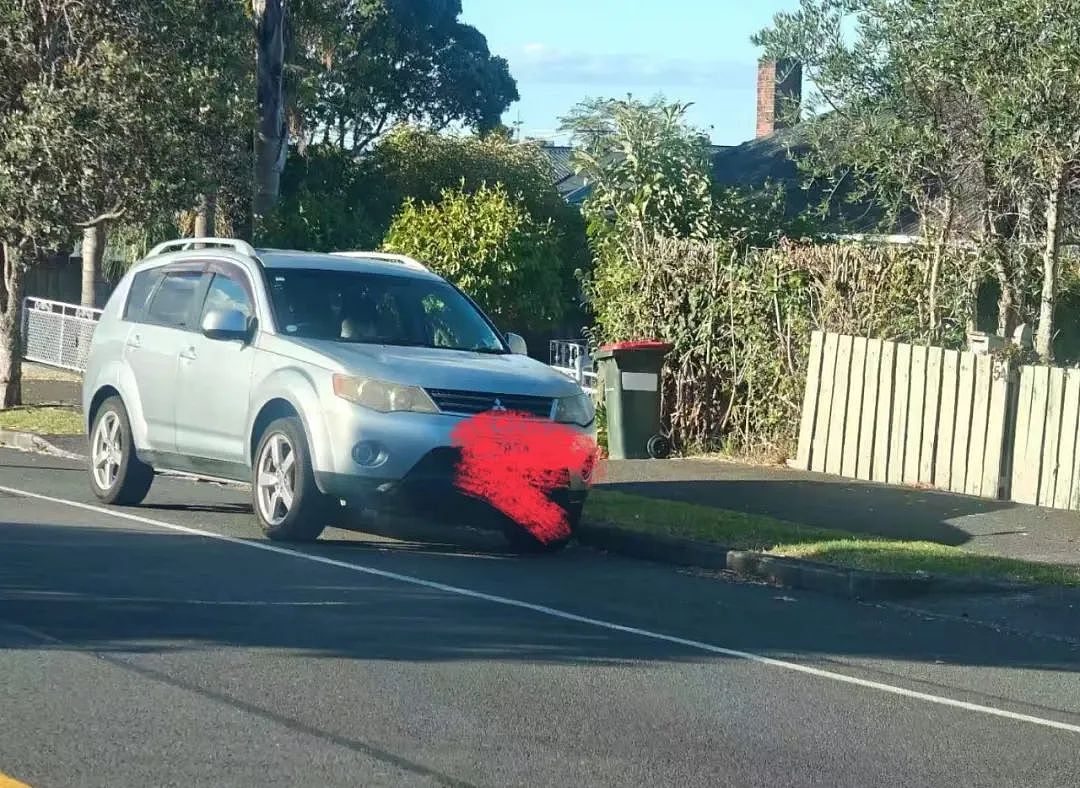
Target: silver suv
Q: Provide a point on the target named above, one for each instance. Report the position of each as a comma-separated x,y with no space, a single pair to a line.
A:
322,379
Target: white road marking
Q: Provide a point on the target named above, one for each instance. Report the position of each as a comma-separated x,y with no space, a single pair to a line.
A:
59,596
567,616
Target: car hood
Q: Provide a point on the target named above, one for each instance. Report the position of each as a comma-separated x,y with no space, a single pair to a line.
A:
434,368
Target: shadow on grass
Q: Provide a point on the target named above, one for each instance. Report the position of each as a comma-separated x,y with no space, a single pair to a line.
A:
743,531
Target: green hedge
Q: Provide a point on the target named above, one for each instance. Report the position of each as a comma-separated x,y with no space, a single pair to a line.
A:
741,322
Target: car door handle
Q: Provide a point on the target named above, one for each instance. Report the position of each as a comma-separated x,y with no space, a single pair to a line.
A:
188,353
134,341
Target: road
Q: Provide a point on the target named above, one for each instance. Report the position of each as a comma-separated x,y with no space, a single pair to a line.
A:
170,645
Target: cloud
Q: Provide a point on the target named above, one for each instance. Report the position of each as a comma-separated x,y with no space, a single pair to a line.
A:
539,63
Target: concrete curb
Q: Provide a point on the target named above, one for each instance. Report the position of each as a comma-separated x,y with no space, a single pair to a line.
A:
654,547
29,441
787,572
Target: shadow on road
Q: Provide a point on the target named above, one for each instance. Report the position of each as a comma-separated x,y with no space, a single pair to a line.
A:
125,590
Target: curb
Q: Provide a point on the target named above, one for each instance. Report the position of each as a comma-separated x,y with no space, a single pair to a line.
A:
654,547
795,573
29,441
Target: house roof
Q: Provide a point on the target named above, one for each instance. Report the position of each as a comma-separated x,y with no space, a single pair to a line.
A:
759,161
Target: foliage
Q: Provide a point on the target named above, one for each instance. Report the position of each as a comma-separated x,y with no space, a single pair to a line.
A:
326,202
648,170
82,134
910,109
489,245
740,321
403,61
331,200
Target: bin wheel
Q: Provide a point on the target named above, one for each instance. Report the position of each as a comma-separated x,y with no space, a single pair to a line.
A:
658,447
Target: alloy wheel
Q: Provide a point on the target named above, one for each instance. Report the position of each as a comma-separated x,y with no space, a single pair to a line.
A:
107,451
276,479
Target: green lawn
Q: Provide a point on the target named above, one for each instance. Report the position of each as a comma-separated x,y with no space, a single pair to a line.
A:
860,551
42,420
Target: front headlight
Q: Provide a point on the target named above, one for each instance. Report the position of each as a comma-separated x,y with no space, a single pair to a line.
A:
383,396
575,410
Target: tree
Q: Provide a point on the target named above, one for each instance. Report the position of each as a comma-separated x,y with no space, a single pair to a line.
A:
913,108
406,61
1031,119
489,245
82,134
649,171
349,70
271,130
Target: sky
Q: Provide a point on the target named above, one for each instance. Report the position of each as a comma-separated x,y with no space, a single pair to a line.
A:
563,51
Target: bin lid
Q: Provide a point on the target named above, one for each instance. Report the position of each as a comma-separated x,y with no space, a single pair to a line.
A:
640,344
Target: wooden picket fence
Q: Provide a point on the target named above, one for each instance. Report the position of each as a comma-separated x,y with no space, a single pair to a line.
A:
1046,470
906,414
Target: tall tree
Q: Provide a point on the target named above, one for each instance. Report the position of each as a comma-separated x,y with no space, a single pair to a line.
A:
406,61
912,106
83,137
271,129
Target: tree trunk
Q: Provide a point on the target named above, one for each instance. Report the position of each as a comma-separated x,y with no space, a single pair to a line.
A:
1055,201
939,254
93,250
271,135
206,215
10,328
991,242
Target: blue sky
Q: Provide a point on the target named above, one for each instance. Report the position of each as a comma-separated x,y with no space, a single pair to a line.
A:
562,51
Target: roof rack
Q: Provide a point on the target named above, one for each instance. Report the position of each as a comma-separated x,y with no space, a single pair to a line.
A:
180,244
387,257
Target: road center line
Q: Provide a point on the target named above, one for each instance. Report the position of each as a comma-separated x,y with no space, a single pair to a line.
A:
564,615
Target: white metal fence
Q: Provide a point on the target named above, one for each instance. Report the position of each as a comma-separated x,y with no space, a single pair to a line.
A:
58,334
571,357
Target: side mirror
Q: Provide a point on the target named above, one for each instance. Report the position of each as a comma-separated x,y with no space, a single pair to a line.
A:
225,325
517,344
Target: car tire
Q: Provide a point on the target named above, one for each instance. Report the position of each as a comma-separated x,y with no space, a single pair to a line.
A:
521,541
288,505
117,475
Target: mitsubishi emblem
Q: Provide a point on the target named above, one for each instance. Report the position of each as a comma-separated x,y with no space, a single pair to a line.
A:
498,405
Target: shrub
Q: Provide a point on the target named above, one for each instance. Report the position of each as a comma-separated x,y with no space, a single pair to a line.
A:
488,244
741,320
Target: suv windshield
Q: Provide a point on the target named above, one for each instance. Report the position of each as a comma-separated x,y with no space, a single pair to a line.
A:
350,306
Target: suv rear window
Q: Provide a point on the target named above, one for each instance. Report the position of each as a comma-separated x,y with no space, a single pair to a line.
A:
139,294
174,299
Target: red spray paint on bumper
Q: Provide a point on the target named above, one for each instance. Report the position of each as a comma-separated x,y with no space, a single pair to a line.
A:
514,462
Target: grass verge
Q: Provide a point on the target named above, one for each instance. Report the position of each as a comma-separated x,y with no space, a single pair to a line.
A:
742,531
42,420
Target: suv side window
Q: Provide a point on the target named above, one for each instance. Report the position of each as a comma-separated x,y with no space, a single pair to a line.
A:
174,299
227,293
139,294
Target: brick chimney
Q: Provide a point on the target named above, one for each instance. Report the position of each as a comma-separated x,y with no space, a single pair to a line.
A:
779,87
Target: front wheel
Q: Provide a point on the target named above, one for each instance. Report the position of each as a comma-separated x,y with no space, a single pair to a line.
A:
288,505
521,541
117,476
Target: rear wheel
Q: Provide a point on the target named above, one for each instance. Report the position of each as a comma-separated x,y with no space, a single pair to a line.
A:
117,476
288,505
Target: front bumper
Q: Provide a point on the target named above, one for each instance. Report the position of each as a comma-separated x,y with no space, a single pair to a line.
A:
416,455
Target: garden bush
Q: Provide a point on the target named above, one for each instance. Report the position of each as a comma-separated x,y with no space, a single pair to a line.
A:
488,244
741,321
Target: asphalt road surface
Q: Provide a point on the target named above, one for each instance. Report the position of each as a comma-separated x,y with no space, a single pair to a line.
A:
170,645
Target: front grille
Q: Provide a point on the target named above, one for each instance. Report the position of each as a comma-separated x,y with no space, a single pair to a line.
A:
468,403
